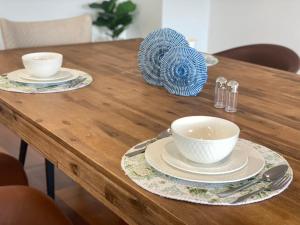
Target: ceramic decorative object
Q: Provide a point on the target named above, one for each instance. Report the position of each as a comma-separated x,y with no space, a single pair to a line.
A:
183,71
152,50
145,176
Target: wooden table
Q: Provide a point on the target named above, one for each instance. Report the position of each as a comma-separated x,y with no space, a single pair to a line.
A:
86,132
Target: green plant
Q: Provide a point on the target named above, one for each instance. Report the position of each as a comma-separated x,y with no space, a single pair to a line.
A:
113,15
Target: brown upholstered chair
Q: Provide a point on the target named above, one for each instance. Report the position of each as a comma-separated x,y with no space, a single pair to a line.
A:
275,56
11,171
22,205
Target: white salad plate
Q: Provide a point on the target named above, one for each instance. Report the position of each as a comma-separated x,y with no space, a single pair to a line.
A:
64,75
153,156
210,59
234,162
58,76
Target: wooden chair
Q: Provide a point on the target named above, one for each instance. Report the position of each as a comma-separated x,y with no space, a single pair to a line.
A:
270,55
45,33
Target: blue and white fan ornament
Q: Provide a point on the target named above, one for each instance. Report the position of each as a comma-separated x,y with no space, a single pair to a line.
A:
165,59
153,48
184,71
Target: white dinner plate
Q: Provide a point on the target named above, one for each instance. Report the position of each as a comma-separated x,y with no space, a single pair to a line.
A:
255,164
210,59
234,162
58,76
66,75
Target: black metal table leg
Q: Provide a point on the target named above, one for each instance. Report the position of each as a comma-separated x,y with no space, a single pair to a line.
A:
50,179
23,151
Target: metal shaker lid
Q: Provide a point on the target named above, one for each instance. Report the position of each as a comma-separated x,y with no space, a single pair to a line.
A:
221,81
232,86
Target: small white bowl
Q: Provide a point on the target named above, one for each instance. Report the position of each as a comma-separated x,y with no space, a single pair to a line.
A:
42,64
204,139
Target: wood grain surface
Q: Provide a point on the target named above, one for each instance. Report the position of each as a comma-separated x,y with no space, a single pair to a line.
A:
85,132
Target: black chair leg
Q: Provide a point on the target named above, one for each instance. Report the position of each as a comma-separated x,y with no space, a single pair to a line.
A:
50,179
23,151
49,169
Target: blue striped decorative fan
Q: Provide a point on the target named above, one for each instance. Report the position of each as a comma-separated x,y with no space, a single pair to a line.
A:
184,71
153,48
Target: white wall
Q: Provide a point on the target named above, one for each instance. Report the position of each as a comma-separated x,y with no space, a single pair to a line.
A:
31,10
148,17
216,24
191,18
240,22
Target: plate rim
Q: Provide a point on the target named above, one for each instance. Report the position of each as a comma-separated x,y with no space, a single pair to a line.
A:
74,74
45,78
203,180
216,60
206,173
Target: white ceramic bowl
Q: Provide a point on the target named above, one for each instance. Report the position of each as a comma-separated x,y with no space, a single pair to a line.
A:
42,64
204,139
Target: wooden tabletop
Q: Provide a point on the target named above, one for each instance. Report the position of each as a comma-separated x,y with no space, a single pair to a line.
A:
85,132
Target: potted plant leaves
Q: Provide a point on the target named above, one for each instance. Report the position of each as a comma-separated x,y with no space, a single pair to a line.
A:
114,15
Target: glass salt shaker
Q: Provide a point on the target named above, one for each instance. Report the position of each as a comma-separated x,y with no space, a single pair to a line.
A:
231,96
220,92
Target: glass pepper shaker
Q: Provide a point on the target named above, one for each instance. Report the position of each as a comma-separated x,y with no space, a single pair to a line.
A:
231,96
220,92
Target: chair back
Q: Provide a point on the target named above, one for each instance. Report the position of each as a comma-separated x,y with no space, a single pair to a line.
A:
270,55
46,33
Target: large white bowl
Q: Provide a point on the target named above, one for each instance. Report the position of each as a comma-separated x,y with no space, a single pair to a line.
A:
204,139
42,64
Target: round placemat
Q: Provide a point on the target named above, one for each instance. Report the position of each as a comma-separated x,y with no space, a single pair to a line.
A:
81,81
139,171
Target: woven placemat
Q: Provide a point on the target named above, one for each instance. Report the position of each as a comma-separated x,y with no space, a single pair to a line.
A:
81,81
139,171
